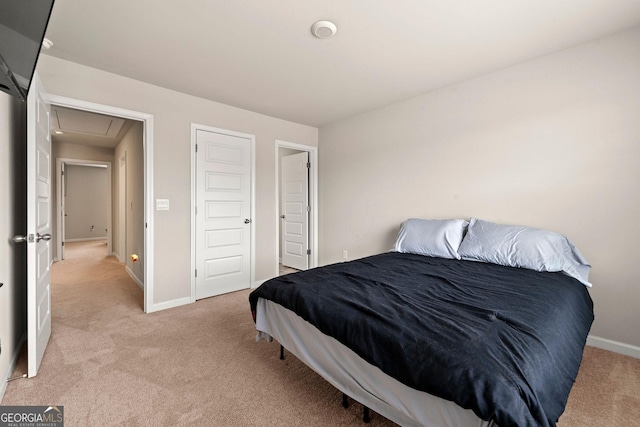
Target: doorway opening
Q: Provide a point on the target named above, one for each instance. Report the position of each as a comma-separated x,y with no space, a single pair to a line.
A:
296,203
121,140
83,201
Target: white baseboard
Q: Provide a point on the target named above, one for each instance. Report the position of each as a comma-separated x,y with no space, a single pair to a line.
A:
159,306
187,300
12,365
169,304
85,239
116,256
130,272
615,346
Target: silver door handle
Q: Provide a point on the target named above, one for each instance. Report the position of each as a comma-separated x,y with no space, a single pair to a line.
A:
247,221
46,237
19,239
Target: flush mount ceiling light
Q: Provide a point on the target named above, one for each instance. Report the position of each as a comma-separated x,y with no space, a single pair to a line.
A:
46,43
324,29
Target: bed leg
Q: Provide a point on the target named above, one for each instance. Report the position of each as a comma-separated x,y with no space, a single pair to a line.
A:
345,400
281,352
366,417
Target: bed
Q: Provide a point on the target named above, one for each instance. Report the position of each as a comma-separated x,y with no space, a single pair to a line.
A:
462,324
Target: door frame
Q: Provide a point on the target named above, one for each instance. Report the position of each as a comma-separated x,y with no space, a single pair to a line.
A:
121,253
313,199
194,172
59,200
147,142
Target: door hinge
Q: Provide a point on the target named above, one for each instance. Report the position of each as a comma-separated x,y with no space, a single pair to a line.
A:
196,272
308,165
145,225
308,251
308,208
62,173
62,243
196,148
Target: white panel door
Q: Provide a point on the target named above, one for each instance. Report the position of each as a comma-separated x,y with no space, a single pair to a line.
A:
294,179
38,226
223,213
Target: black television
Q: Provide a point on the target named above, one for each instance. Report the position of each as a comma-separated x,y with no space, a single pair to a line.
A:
23,24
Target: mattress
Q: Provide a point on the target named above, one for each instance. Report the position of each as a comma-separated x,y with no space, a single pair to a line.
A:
347,372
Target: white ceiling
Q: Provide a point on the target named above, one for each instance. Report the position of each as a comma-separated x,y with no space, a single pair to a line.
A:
73,126
260,55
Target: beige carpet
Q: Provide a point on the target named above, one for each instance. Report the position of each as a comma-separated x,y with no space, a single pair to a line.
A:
110,364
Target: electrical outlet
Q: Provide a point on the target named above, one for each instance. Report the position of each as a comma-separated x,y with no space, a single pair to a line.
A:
345,255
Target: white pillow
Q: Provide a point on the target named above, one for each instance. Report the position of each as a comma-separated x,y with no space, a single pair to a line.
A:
431,237
525,247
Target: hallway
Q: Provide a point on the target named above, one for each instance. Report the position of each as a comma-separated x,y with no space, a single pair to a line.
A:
88,281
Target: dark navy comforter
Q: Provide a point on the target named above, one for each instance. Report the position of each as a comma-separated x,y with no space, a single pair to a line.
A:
504,342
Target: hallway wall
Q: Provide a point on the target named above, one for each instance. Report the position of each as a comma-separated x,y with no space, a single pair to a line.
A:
86,203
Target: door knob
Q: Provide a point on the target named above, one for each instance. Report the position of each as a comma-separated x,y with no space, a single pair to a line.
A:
19,239
282,216
46,237
29,238
247,221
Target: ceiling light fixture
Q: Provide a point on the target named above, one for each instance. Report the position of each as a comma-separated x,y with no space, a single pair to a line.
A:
324,29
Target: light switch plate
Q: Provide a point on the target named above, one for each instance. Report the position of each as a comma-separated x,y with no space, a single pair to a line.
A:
162,204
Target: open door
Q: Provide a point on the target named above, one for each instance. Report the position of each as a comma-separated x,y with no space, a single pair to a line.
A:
295,211
38,226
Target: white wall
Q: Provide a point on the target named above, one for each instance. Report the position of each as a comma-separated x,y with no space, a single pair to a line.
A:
552,143
86,202
132,147
13,322
173,114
